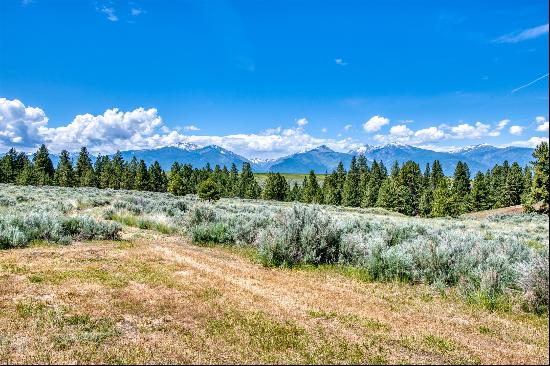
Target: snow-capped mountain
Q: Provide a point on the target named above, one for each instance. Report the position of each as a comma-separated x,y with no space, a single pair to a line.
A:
323,159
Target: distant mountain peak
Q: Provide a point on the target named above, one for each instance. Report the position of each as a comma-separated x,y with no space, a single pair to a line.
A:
187,146
323,148
470,148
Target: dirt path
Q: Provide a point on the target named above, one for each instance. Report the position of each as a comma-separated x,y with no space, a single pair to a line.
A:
403,312
159,299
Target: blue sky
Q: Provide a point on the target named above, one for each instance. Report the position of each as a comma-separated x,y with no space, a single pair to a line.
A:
267,78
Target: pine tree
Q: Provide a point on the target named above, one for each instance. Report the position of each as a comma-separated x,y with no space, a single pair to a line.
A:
8,168
375,179
295,193
142,177
117,170
311,192
426,202
437,174
481,193
84,172
233,181
64,175
276,188
175,181
444,203
539,189
410,178
43,166
248,187
461,186
514,185
352,190
27,175
105,172
339,179
391,195
209,190
395,170
527,184
157,178
330,190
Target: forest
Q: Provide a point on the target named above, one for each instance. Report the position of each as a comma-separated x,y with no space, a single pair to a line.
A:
405,189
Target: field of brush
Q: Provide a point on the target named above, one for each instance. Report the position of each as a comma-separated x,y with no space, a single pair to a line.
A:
107,276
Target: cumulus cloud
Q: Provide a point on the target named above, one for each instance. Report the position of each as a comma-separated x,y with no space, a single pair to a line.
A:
20,125
324,130
429,134
26,127
347,127
136,11
532,142
302,122
375,124
516,130
191,128
523,35
467,131
542,124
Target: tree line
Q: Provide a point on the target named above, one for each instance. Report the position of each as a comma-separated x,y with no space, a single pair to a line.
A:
405,188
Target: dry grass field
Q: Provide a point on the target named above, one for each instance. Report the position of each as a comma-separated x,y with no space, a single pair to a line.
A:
154,298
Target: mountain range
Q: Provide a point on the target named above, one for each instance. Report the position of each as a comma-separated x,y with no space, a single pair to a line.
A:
323,159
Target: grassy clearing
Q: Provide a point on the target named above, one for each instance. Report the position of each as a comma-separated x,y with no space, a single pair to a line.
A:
159,300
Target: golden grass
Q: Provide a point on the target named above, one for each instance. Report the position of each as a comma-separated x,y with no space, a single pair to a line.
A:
157,299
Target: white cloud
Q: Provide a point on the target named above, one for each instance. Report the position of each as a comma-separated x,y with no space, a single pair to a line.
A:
429,134
136,11
191,128
26,127
347,127
542,124
532,142
401,131
302,122
375,123
467,131
20,125
324,130
340,62
109,12
523,35
516,130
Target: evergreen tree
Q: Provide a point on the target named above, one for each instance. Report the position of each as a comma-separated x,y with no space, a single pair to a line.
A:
375,179
311,192
105,172
8,168
461,186
481,193
233,181
117,171
391,195
295,193
84,172
27,176
129,174
157,178
330,190
339,179
209,190
425,204
276,188
395,170
527,184
514,185
64,174
437,174
539,188
444,202
142,177
43,166
410,178
175,181
248,187
352,190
